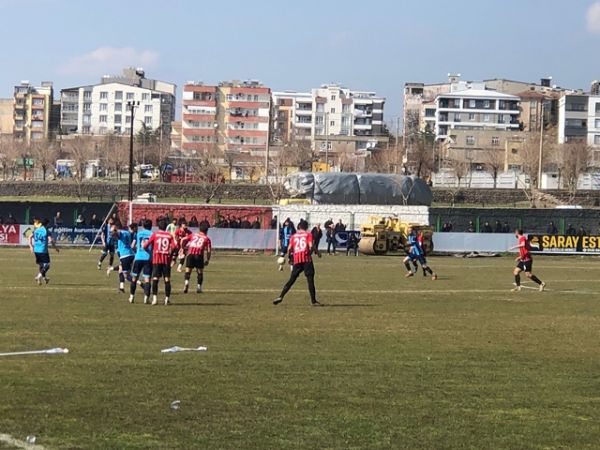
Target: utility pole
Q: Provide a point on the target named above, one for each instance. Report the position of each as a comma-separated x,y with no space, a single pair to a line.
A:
397,143
541,148
131,105
327,140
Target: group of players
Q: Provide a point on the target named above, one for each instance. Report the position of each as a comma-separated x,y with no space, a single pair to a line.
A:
145,256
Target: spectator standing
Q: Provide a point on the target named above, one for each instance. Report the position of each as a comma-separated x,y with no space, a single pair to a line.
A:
80,222
205,222
317,235
10,220
505,228
487,228
58,221
95,221
581,231
571,231
498,228
245,224
274,223
551,228
194,222
256,224
471,227
330,237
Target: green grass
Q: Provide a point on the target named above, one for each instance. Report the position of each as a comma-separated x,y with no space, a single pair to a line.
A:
389,363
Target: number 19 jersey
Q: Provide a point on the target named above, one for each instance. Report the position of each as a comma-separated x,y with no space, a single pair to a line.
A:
162,243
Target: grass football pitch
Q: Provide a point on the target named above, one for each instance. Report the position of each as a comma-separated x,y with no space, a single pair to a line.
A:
390,362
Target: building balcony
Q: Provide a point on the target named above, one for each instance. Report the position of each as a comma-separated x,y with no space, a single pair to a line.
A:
363,113
248,105
362,126
303,112
238,117
247,133
303,124
199,117
198,131
212,103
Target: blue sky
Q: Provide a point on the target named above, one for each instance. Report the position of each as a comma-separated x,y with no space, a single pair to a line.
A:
368,45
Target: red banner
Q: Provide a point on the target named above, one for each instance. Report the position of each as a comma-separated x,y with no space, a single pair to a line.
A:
9,234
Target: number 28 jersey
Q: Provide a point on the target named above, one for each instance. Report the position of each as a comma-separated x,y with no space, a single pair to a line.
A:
197,243
163,244
301,247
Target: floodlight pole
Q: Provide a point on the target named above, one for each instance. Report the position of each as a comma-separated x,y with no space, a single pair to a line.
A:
131,105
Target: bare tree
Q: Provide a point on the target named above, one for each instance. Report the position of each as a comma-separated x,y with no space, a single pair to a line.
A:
573,159
208,174
116,152
493,159
8,156
420,149
44,154
81,149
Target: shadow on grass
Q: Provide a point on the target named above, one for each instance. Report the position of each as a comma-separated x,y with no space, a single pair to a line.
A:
350,305
202,304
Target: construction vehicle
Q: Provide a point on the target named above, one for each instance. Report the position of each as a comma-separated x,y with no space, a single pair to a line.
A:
383,235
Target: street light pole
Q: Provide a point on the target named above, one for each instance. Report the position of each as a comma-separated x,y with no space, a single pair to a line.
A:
541,148
131,105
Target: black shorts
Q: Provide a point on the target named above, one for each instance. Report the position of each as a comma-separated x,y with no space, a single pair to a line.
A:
42,258
525,266
109,248
194,261
142,268
126,263
308,268
161,270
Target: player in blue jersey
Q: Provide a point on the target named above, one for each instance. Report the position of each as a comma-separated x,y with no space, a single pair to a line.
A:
124,239
38,244
415,254
142,264
108,243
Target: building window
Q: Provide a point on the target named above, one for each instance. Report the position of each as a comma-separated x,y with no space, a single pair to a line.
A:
87,107
117,130
487,117
118,95
472,103
103,130
471,116
130,96
103,107
118,118
87,95
148,120
103,95
332,123
103,118
532,104
256,98
470,140
333,98
148,108
118,107
319,120
332,110
597,139
495,140
486,103
145,97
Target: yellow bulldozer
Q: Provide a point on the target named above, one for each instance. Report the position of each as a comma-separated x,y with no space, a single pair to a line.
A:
383,235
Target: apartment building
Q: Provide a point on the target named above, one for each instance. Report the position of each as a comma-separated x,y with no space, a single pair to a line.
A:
573,118
231,117
103,108
420,108
7,120
335,119
33,111
471,106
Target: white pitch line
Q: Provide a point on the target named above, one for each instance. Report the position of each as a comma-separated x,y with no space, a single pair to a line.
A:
400,290
17,443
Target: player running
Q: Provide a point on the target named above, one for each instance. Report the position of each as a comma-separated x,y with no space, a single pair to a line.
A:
299,250
162,243
199,244
124,239
108,245
142,264
181,234
524,262
416,253
38,244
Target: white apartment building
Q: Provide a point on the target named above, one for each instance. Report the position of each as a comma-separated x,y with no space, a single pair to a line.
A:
573,118
469,106
330,110
103,108
593,121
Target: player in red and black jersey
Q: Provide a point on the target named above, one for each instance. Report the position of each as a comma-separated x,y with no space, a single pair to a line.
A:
162,244
524,262
198,244
180,235
299,253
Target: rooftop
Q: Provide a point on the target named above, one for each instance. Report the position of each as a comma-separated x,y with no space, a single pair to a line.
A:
480,93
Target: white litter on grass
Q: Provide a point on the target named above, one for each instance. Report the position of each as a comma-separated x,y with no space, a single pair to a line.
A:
175,404
50,351
17,443
183,349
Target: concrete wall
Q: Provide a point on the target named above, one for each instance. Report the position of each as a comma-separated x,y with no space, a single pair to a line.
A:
352,215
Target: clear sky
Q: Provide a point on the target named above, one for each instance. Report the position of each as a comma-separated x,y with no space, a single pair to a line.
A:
295,45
